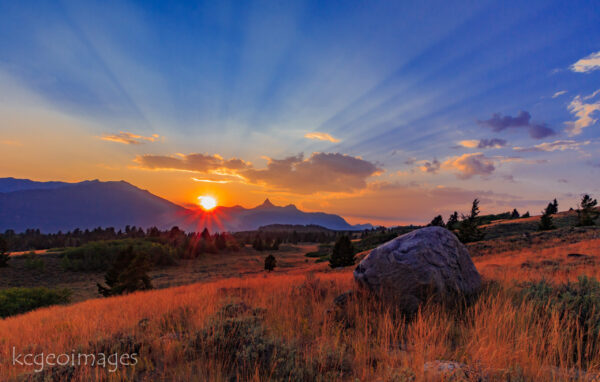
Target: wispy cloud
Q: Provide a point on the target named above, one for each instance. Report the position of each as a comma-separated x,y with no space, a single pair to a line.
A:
195,162
129,138
559,93
494,143
498,123
211,181
560,145
584,111
587,64
321,137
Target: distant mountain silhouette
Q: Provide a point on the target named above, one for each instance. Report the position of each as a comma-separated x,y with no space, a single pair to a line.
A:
54,206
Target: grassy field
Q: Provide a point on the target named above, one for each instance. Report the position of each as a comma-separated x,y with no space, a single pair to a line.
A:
283,326
243,263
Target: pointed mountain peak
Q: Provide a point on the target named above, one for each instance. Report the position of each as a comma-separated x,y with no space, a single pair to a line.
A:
267,203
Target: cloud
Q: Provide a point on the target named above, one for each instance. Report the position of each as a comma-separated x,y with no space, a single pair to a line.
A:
327,172
585,113
321,137
430,167
560,145
494,143
210,181
196,162
129,138
410,161
559,93
321,172
562,180
468,165
587,64
523,120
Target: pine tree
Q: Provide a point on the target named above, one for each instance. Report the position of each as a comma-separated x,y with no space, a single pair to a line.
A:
205,235
452,221
587,212
438,221
468,230
555,206
4,255
526,215
515,214
546,221
343,253
127,274
270,263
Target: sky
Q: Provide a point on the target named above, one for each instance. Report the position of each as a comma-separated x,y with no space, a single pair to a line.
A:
382,112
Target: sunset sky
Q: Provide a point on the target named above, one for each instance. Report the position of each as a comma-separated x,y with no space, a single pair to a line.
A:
382,112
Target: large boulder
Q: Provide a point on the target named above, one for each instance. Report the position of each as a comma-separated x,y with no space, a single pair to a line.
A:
425,264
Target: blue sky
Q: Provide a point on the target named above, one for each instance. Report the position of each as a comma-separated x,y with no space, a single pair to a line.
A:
409,89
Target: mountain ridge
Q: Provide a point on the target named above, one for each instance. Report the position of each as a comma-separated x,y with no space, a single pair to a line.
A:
61,206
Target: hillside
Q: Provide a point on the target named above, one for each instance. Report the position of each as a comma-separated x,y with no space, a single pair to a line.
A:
282,326
84,205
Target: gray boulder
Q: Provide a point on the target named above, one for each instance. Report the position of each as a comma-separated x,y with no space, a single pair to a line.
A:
428,263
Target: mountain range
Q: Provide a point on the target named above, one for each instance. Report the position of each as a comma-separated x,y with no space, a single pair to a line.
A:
61,206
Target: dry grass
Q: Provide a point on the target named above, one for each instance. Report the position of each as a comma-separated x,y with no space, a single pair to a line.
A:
495,336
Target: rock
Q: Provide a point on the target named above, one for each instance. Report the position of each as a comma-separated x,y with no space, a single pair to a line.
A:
343,299
429,263
576,255
445,370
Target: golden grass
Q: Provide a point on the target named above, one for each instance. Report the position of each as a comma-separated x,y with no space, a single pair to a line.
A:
495,336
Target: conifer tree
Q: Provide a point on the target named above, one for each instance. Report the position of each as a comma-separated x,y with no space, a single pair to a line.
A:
438,221
452,221
343,253
587,212
468,230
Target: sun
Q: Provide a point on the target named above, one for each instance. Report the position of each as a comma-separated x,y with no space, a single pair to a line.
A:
207,202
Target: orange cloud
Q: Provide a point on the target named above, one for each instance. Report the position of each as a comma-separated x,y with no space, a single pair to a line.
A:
587,64
129,138
585,113
321,137
321,172
468,165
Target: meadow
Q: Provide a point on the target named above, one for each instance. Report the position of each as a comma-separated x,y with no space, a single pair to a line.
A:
284,325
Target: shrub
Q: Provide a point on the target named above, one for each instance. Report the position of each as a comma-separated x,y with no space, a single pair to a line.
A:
100,255
270,263
515,214
578,301
4,256
20,300
127,274
237,336
343,253
34,262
